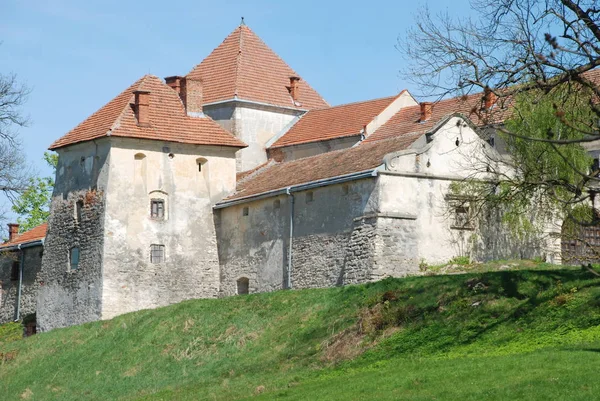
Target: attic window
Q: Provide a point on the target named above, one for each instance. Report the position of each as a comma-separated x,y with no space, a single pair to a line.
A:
245,211
276,204
345,189
309,196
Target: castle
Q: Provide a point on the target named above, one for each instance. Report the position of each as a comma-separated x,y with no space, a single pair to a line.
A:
239,178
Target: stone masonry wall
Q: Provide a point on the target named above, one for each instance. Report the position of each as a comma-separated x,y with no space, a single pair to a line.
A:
327,239
68,297
9,288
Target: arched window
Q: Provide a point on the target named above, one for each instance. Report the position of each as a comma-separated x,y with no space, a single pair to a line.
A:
201,164
243,285
159,205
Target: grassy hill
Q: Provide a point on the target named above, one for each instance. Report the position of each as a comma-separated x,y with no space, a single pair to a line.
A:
531,333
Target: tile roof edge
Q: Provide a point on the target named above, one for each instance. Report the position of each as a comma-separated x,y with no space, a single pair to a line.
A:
372,172
314,141
242,100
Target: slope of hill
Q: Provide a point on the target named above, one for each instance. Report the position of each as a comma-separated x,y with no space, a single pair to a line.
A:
519,334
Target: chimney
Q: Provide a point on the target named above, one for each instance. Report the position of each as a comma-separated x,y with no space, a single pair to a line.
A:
295,88
426,109
489,98
191,95
142,108
174,82
13,231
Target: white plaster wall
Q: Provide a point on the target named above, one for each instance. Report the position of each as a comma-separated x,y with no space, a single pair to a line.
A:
416,183
255,126
191,267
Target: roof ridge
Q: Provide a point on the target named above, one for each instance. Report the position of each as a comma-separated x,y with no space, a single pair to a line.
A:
238,61
356,102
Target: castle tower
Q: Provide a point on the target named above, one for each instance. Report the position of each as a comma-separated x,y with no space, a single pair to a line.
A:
131,224
251,92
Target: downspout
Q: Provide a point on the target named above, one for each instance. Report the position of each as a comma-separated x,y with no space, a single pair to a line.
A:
21,261
291,237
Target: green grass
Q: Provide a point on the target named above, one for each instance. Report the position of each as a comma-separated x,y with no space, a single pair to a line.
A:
532,333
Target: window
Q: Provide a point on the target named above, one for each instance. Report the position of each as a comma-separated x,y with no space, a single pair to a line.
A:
309,197
276,204
462,218
157,253
243,285
345,189
74,258
595,168
14,271
245,211
78,210
157,209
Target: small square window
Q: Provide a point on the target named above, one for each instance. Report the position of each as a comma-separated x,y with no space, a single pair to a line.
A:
462,218
157,209
157,253
245,211
74,258
309,197
14,271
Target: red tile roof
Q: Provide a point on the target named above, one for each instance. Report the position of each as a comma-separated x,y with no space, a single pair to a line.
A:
333,122
327,165
35,234
406,121
168,120
243,66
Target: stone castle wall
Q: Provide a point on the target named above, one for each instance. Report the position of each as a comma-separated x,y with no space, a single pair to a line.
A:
9,288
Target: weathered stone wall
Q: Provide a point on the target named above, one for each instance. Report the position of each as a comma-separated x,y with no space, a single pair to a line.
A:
67,297
140,172
253,246
326,238
252,123
9,288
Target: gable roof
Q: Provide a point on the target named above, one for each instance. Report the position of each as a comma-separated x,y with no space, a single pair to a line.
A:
35,234
333,122
244,67
337,163
407,120
168,120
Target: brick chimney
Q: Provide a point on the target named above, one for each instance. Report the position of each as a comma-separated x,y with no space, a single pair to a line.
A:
489,98
13,231
295,88
174,82
142,108
191,95
426,110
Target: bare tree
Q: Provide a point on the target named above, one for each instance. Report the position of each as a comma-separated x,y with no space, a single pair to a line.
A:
538,60
14,174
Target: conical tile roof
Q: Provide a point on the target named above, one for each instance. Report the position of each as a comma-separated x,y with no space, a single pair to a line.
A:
244,67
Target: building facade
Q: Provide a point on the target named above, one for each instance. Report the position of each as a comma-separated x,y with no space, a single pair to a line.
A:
239,178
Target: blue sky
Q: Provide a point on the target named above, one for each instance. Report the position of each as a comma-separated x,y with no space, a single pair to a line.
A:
77,55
